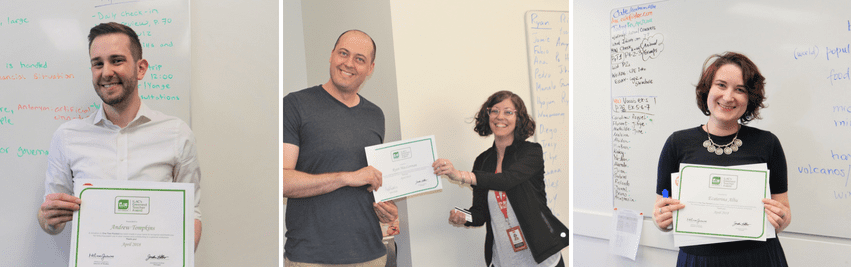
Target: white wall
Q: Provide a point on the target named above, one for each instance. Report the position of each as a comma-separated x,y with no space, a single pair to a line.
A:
294,68
235,120
450,56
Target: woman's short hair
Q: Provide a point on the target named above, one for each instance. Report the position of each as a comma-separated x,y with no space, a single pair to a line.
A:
754,83
524,125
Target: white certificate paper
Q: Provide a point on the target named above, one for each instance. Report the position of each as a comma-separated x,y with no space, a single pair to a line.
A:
405,167
693,240
133,223
722,202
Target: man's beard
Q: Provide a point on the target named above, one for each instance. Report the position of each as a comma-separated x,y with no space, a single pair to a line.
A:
126,92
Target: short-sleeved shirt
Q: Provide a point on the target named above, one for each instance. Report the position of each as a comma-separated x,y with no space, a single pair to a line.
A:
339,227
758,146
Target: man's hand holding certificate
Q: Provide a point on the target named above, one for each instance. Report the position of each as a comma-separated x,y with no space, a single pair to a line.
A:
132,223
405,167
722,202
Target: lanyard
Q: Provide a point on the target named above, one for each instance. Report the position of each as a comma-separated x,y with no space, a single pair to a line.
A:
502,200
515,235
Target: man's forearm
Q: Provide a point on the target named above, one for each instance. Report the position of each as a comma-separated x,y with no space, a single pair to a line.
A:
300,185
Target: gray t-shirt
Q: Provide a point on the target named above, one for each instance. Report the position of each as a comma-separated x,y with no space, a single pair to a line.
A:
341,226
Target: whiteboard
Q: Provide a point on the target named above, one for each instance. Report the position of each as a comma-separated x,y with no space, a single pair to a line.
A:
547,35
637,42
804,50
45,80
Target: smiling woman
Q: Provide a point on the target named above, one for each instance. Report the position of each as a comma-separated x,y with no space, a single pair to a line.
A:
731,92
508,180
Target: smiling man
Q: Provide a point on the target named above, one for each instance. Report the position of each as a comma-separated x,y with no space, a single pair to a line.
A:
331,215
123,140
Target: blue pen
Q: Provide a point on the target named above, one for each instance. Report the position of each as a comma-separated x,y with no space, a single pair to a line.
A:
665,195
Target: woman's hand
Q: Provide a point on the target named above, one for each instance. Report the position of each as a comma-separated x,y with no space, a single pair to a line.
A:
457,218
445,167
663,214
778,211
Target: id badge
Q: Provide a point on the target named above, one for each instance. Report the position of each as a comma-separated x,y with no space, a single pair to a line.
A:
518,242
467,215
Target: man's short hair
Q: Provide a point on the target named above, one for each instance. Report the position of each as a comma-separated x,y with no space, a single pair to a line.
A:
367,35
112,27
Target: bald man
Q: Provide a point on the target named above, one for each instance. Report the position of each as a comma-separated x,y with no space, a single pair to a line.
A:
332,217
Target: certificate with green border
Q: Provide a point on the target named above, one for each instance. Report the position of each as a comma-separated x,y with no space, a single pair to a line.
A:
133,223
405,167
722,202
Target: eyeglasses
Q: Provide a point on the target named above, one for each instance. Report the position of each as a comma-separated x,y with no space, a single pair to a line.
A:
495,112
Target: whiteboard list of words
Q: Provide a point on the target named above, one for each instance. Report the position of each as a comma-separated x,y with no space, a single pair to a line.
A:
636,41
547,41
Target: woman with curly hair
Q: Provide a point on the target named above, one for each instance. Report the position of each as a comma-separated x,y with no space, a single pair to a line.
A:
730,92
508,189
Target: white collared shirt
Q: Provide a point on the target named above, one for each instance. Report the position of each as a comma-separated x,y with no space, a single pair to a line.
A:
153,147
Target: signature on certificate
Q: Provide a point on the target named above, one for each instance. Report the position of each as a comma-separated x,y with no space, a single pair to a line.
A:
695,221
156,257
735,223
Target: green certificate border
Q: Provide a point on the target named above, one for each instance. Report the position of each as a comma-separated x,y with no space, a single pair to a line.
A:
431,144
679,196
80,216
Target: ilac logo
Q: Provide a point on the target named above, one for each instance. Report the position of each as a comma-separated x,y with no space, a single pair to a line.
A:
132,205
401,154
123,204
716,180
